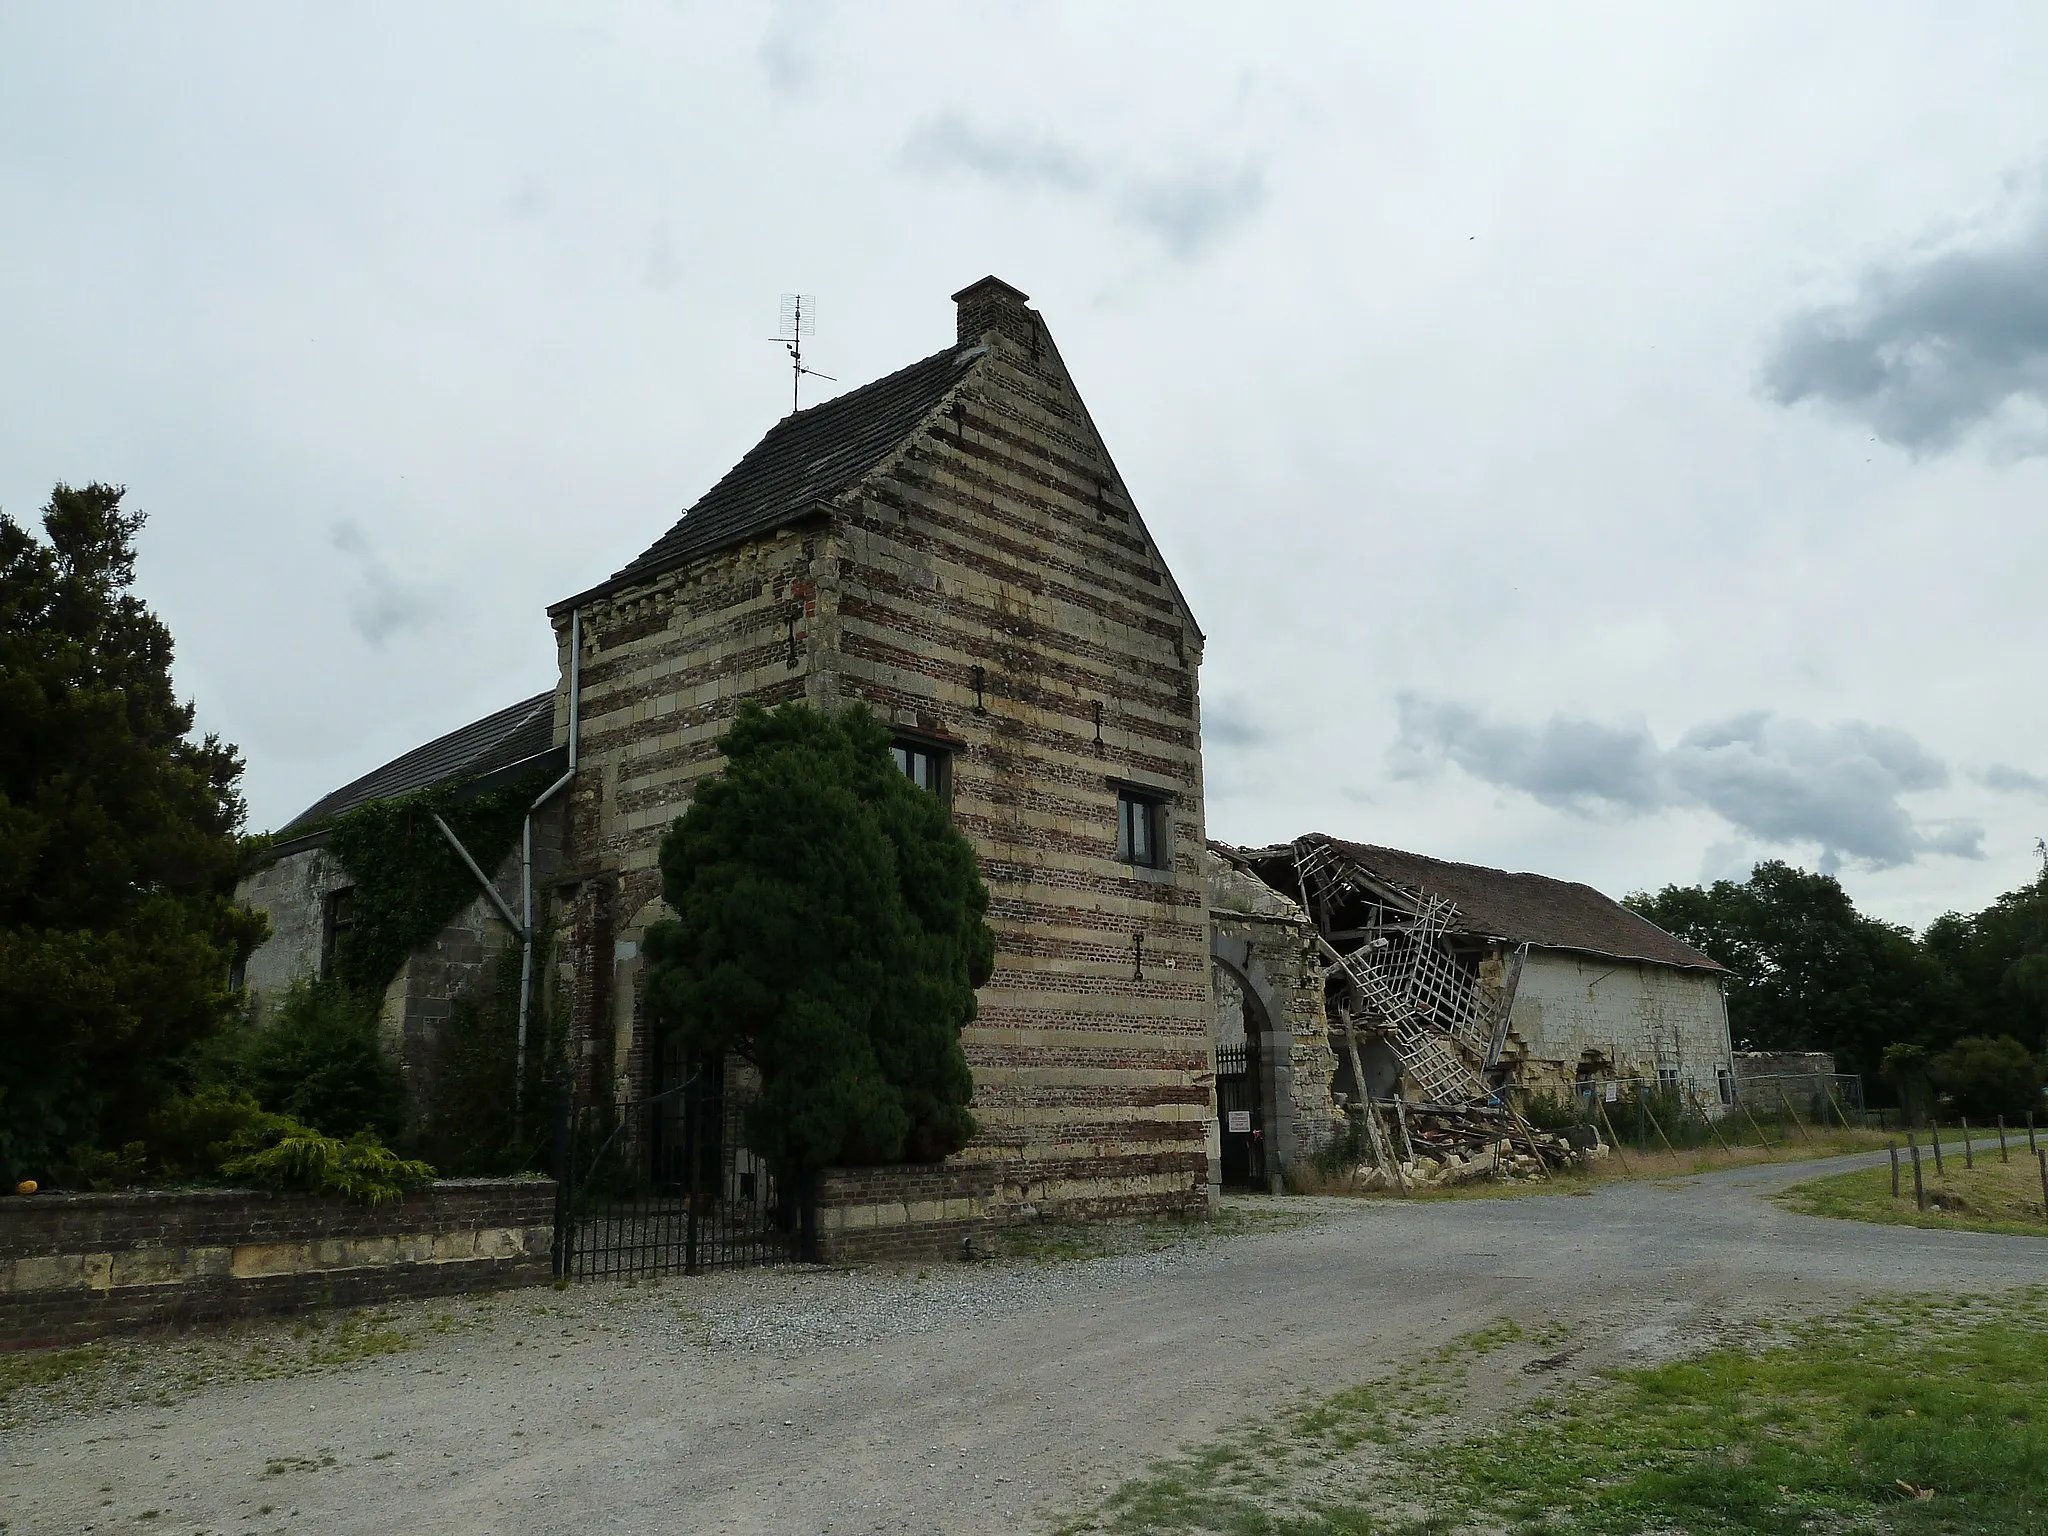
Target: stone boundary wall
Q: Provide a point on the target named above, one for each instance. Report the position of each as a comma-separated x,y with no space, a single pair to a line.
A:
915,1212
76,1267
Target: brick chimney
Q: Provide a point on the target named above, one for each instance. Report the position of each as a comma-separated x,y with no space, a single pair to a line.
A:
993,305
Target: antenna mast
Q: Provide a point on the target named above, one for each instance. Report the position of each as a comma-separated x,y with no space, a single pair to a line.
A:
799,319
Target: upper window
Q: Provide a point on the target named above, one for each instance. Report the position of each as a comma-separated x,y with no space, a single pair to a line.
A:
338,918
1140,829
925,766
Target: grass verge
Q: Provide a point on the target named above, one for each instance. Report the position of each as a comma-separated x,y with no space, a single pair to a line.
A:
1628,1164
1911,1416
1992,1197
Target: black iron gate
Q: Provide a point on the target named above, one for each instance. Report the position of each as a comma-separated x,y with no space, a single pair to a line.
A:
666,1183
1238,1117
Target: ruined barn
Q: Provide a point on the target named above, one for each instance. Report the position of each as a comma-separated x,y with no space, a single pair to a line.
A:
1453,984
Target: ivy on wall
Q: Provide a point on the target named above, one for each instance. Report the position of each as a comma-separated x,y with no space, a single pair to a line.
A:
408,881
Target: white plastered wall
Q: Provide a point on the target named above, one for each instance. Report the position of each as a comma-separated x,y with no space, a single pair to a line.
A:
1638,1018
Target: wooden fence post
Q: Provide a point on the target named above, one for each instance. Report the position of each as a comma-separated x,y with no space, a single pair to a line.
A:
1934,1135
1969,1148
1919,1189
2002,1157
1893,1148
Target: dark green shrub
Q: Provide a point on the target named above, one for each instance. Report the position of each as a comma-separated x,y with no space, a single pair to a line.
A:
1987,1078
1548,1111
192,1135
466,1123
319,1061
361,1168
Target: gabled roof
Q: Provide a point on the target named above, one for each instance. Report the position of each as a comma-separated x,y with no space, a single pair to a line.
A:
805,460
1520,908
517,739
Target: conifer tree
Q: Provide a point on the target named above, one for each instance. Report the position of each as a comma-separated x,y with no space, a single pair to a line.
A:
118,843
829,929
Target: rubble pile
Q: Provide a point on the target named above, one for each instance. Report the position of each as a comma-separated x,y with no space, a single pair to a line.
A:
1434,1145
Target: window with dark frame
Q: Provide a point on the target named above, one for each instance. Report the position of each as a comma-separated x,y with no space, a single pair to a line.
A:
1140,829
338,916
926,766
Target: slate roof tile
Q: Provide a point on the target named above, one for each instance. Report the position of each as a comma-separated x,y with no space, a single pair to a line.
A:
520,733
805,460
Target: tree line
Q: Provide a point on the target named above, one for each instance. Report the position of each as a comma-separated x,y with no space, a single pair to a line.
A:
1959,1010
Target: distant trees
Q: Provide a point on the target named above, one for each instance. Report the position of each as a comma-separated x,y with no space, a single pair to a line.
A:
829,929
119,843
1962,1009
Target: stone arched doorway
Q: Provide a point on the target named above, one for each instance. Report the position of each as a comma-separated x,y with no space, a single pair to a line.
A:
1243,1094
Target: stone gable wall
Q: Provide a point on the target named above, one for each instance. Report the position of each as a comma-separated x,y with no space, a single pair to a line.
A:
999,538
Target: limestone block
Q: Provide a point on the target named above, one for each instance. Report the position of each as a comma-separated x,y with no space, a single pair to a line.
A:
149,1266
255,1261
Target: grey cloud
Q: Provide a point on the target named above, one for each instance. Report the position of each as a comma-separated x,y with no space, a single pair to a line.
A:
950,142
1187,210
1936,343
1572,764
1780,780
1230,721
2013,781
384,603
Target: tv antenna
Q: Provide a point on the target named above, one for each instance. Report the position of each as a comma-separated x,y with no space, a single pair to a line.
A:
799,319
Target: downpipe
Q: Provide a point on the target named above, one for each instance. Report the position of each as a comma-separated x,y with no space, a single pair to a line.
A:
526,867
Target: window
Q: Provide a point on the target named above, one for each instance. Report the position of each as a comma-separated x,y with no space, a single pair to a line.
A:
337,918
924,765
1140,829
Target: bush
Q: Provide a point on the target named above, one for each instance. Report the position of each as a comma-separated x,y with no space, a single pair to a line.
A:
192,1135
1552,1111
466,1112
320,1062
361,1168
1987,1078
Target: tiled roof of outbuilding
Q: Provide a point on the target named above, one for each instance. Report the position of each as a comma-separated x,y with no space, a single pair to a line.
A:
1521,908
805,460
523,733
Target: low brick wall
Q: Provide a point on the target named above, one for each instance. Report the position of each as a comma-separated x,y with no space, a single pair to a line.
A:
908,1212
75,1267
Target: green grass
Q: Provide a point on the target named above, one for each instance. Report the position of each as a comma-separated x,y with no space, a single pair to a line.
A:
1992,1197
1835,1425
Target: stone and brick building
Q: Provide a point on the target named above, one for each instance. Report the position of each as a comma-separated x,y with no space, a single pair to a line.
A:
953,547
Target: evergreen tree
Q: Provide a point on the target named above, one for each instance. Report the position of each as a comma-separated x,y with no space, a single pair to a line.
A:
1807,971
829,929
118,843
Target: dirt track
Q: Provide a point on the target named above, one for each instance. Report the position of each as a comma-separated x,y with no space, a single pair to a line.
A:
988,1397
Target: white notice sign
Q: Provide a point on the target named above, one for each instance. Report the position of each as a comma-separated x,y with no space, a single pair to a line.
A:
1239,1122
1613,1094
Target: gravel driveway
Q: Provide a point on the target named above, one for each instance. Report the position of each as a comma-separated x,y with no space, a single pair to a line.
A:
988,1397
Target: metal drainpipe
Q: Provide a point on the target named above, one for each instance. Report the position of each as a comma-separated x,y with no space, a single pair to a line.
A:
526,864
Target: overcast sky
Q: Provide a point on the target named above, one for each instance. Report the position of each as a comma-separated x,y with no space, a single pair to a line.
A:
1611,441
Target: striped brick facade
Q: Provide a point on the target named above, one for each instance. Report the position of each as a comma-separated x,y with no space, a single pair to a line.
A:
992,546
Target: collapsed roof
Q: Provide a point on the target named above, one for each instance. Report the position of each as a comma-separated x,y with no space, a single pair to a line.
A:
1496,904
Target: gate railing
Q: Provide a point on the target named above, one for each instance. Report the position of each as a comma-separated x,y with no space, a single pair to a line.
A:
665,1184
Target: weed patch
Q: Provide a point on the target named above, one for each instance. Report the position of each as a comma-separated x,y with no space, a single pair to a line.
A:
1911,1417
